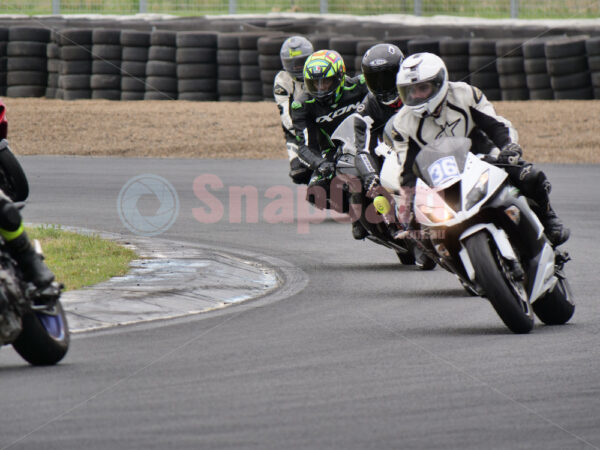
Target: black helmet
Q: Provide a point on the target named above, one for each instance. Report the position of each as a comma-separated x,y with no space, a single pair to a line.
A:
380,65
294,52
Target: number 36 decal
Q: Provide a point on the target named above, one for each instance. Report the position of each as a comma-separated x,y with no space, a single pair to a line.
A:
442,170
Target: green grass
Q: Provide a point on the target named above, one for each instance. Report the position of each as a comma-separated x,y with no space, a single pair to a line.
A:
80,260
529,9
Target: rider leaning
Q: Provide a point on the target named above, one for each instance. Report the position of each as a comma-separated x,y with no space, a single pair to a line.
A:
436,107
331,97
380,65
287,86
18,245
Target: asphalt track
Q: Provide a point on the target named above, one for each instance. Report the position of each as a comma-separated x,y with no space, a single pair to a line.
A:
368,355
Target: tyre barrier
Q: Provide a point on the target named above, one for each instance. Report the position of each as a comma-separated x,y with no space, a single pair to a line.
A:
567,65
161,69
252,86
510,64
75,52
3,59
482,67
105,81
592,47
196,58
53,66
536,72
237,60
134,58
269,61
26,66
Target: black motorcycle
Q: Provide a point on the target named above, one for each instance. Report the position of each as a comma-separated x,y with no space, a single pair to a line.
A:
31,320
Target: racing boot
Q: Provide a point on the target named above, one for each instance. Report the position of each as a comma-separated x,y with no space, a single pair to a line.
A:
554,229
359,232
31,262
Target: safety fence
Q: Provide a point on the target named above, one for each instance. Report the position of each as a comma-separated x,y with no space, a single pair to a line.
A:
531,9
123,64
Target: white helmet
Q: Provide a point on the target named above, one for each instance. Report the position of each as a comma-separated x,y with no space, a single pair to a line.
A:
423,83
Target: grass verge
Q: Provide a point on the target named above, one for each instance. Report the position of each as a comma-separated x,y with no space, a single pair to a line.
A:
81,260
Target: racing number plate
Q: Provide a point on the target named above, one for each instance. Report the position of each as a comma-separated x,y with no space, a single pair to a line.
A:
442,170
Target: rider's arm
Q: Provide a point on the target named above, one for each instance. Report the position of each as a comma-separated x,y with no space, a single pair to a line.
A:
283,91
302,121
499,129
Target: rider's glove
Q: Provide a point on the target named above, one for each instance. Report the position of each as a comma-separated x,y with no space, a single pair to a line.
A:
326,168
510,154
371,182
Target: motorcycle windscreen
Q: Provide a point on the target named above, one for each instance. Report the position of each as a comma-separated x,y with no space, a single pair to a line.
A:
442,160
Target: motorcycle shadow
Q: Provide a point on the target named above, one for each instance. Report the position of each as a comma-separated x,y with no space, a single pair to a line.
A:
363,267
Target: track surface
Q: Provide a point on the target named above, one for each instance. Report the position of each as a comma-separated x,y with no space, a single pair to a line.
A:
369,355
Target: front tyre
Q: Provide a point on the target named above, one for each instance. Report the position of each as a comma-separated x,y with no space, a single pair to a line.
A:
507,295
45,338
555,307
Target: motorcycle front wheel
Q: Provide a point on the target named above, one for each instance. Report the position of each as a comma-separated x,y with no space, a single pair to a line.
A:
45,338
507,295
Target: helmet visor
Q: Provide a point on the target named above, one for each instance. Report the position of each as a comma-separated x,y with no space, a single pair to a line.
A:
420,93
382,81
321,87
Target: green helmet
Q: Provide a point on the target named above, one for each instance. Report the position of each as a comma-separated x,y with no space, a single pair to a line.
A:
324,74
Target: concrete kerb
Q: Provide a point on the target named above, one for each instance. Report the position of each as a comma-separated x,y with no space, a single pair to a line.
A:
174,280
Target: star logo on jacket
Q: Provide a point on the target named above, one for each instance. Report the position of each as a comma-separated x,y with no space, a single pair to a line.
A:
448,129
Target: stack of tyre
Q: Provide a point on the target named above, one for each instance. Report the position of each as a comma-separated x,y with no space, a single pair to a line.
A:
567,64
26,67
53,66
536,72
106,64
361,49
229,82
455,53
511,69
196,58
592,47
134,58
347,47
482,67
75,64
269,62
249,67
161,69
3,43
428,45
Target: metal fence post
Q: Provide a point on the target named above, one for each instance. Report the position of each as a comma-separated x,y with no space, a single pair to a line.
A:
232,6
55,6
324,9
418,7
143,6
514,9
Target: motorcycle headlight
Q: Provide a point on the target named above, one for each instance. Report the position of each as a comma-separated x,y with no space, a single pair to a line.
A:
438,213
479,190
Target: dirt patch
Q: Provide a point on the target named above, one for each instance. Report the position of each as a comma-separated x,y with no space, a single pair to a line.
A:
550,131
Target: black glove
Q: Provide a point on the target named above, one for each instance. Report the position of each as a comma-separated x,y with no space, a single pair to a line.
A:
371,181
326,168
510,154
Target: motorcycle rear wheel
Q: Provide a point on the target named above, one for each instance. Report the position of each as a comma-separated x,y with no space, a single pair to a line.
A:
45,338
500,289
12,177
555,307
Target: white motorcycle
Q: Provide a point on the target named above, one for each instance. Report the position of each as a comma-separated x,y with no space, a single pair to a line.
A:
475,224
